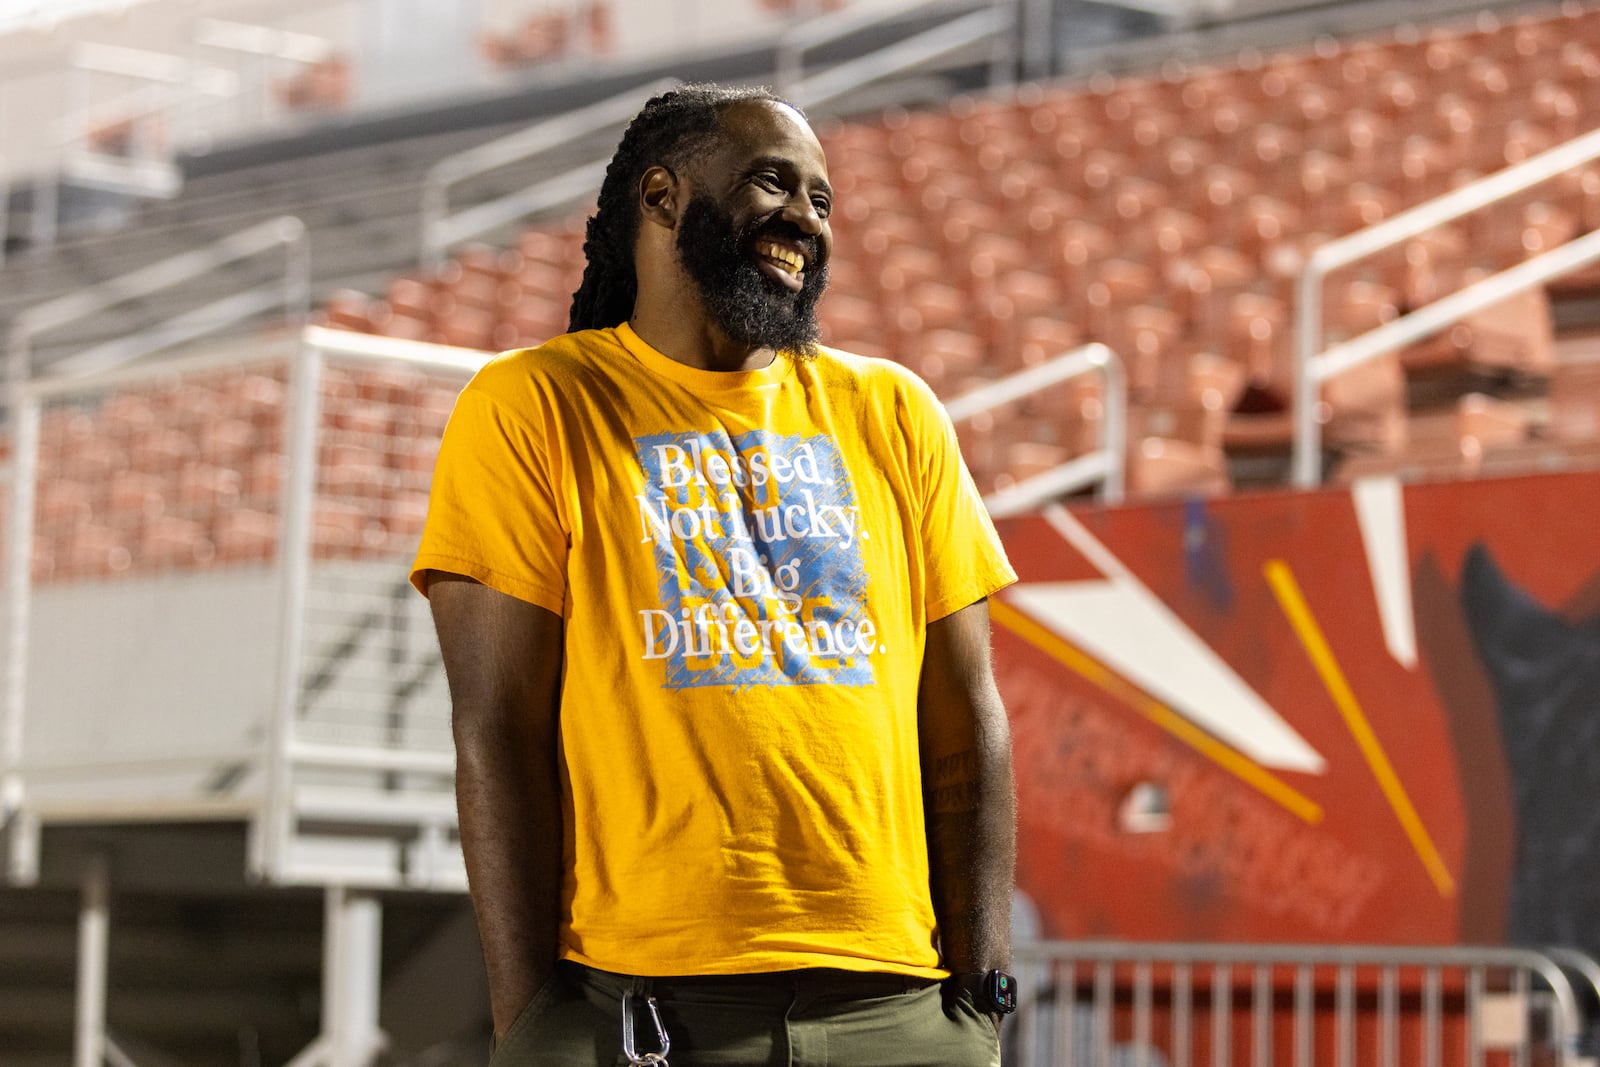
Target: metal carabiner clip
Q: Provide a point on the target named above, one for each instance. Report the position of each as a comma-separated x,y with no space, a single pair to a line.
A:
629,1049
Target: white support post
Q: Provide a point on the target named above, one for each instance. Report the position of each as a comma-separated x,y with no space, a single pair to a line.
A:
351,977
94,939
294,567
1306,470
22,859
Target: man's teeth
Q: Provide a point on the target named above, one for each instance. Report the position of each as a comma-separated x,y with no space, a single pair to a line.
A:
793,262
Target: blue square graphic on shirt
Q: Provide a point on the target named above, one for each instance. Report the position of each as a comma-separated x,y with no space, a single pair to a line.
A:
756,539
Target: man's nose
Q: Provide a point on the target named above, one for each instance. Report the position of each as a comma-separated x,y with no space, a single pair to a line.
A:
803,213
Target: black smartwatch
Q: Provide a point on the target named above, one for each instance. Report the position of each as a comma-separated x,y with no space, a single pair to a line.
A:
991,991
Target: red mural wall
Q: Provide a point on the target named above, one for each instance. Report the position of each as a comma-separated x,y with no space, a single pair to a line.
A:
1349,715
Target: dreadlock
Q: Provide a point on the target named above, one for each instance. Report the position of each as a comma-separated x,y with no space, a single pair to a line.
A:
670,129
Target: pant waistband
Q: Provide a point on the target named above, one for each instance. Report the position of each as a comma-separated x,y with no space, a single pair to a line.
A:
803,981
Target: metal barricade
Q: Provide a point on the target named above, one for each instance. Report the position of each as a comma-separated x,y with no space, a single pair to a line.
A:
1110,1004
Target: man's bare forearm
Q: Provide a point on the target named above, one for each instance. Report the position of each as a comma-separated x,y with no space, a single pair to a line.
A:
972,853
968,796
511,838
502,658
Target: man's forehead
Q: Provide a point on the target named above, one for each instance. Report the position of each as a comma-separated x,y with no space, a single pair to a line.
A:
758,127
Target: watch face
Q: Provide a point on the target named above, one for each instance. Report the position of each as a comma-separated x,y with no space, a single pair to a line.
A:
1002,991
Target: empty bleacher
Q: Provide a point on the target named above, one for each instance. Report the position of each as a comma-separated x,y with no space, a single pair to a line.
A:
1168,216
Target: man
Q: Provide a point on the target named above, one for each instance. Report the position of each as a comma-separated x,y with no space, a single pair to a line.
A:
732,771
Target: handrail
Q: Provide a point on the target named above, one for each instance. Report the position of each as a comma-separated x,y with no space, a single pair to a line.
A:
168,82
421,353
266,41
285,231
903,55
1311,370
440,230
1105,465
795,41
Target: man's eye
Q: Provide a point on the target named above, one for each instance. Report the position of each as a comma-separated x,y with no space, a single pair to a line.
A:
822,206
770,181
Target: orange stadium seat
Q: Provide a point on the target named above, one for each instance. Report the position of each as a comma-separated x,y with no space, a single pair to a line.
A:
92,551
135,496
171,541
1575,400
347,309
1160,466
244,535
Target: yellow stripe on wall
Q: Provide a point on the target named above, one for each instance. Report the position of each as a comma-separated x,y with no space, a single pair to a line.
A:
1287,590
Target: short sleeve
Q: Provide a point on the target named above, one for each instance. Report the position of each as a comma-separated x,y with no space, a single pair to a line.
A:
493,512
963,557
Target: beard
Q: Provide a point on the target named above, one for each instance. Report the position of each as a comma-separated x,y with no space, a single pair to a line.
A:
751,308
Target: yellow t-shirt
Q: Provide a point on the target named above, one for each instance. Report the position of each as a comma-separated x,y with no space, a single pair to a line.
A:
746,563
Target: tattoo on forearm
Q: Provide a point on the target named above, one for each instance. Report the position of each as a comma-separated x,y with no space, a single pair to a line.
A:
952,783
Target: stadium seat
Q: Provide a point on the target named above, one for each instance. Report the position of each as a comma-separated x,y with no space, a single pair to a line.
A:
1162,467
341,529
843,315
92,551
346,309
320,86
136,496
1575,400
242,535
1515,335
202,489
168,541
1366,407
62,502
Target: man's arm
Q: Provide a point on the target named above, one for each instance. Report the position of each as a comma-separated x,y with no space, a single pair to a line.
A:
502,658
967,793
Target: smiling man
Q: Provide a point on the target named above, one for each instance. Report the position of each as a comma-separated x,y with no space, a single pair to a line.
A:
733,777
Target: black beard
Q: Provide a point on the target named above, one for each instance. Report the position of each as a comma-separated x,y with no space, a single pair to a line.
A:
751,308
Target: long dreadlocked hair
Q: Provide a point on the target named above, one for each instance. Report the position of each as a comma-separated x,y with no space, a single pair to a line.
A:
670,129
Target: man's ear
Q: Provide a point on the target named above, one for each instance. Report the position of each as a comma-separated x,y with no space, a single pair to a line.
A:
659,192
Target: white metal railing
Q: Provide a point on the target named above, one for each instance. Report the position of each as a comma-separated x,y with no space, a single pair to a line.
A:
996,23
27,394
165,93
1105,465
1313,366
289,751
1179,1004
374,752
285,232
440,229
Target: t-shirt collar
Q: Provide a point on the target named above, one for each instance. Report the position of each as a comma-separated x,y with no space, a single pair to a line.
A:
695,377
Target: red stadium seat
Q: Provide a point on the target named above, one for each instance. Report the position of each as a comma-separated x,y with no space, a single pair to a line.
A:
168,541
1366,407
91,551
1161,467
137,496
346,309
245,535
1575,400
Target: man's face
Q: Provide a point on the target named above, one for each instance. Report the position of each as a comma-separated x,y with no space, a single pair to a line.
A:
754,237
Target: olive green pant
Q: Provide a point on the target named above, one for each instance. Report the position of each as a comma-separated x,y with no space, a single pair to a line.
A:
810,1018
